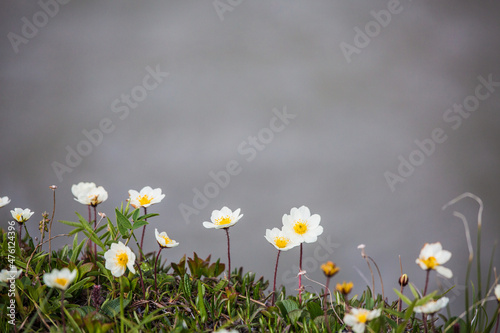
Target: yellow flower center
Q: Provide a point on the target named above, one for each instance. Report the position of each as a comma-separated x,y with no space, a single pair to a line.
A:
362,317
281,242
167,240
94,199
19,217
144,200
300,227
223,220
430,263
121,259
61,281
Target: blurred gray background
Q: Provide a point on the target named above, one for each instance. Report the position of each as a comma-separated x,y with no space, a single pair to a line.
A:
230,64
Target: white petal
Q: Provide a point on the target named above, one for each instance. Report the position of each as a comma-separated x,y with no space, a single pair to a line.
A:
305,212
314,220
446,272
208,225
443,256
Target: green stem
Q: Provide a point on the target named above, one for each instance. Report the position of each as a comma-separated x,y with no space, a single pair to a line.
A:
62,311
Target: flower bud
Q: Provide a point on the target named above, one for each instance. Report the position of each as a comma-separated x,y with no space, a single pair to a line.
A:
403,280
329,268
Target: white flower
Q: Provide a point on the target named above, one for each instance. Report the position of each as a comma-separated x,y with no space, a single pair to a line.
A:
118,258
21,215
497,292
301,223
6,276
4,201
223,330
223,218
59,278
89,193
146,197
432,256
358,318
282,240
163,239
432,306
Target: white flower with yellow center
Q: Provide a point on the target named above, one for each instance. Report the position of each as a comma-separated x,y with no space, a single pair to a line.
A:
118,258
21,215
6,276
281,240
497,292
59,278
146,197
4,201
89,193
358,318
223,218
432,306
432,256
304,225
163,239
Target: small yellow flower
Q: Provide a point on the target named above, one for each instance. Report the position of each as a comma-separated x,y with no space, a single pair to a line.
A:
344,288
330,269
118,258
59,278
432,256
163,240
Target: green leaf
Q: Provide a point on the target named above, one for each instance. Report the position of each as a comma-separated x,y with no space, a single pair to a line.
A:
286,306
294,315
135,214
123,223
200,302
403,297
72,224
139,224
187,286
78,285
314,309
112,308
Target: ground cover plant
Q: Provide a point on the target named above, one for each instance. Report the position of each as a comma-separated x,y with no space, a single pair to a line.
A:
97,283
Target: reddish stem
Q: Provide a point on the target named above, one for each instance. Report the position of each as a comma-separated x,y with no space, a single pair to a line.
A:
95,227
275,273
300,275
228,253
143,232
156,268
